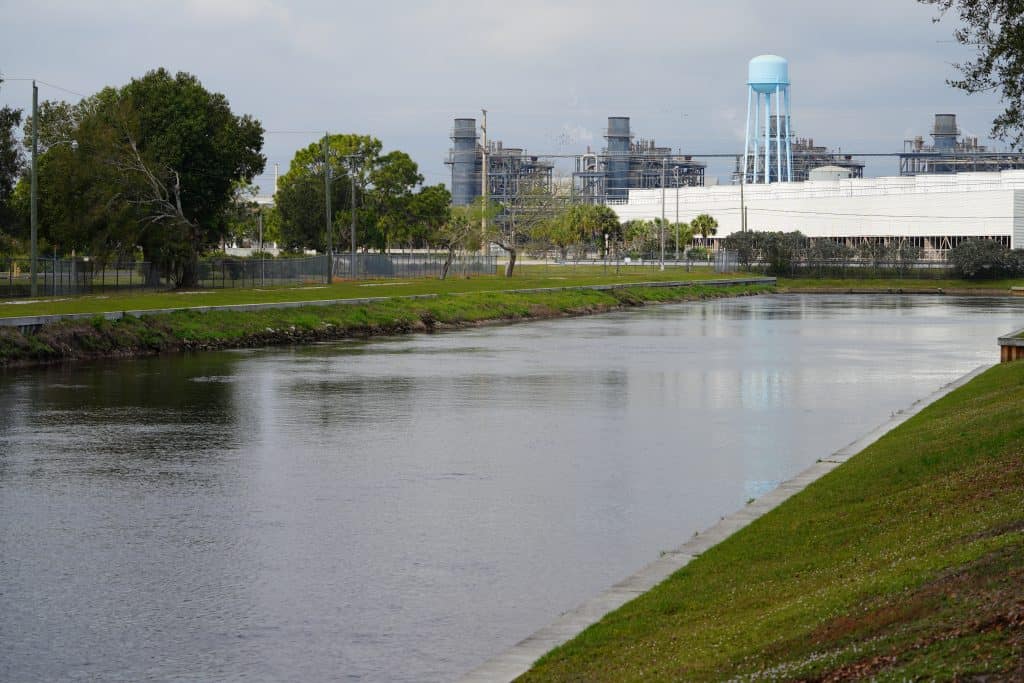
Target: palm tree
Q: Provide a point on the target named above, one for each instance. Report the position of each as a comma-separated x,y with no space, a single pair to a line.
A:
706,226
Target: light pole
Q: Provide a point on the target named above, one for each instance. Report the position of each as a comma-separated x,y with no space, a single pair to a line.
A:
327,208
664,162
34,202
675,173
352,231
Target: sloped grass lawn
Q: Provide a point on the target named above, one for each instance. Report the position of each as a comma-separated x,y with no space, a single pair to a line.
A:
906,563
191,329
527,277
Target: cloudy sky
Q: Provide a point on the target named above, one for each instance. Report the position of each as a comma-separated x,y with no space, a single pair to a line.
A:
866,75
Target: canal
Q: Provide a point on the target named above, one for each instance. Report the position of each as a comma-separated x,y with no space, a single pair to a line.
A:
403,509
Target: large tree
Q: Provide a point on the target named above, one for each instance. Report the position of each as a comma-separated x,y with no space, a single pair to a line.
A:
10,162
995,30
384,193
153,164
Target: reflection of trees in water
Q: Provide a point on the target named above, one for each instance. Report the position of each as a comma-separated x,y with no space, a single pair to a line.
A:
166,409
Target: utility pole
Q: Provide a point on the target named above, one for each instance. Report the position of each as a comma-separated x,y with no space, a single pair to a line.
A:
352,229
34,236
664,162
743,206
259,219
676,173
483,186
327,208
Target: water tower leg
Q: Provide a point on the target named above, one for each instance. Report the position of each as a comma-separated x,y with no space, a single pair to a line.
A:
757,129
778,134
746,141
789,144
767,137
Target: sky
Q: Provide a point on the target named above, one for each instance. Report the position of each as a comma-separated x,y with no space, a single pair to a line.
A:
865,75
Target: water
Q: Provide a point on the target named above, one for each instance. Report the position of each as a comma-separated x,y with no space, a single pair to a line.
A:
404,509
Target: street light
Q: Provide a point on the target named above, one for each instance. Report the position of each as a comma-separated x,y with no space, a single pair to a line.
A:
352,236
675,172
664,165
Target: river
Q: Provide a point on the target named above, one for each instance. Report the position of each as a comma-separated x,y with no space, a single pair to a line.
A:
405,508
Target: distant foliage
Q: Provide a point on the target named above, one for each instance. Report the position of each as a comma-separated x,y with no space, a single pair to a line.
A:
793,253
986,259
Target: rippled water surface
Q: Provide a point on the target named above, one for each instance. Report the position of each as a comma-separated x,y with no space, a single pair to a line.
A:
403,509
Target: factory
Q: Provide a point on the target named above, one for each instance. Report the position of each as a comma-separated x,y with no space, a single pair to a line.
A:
947,191
935,212
511,172
932,204
625,164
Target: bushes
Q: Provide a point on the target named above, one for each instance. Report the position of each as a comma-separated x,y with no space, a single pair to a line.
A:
981,259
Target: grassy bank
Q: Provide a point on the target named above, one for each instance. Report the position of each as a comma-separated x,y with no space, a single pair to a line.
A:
191,330
906,285
527,277
906,563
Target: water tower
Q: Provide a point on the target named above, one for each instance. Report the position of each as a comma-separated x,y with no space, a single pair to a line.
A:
768,79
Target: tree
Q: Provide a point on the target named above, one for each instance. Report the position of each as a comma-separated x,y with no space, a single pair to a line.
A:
680,234
154,165
706,226
783,251
639,237
993,28
461,231
11,161
522,217
979,259
429,210
384,185
746,244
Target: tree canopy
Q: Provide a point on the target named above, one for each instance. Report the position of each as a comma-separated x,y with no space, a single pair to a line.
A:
390,210
994,29
153,164
11,161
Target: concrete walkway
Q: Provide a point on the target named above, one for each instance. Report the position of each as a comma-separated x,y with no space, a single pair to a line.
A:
518,659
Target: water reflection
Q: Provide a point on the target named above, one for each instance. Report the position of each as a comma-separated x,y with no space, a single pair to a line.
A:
401,509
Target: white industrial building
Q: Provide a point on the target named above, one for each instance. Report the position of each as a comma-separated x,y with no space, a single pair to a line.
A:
935,212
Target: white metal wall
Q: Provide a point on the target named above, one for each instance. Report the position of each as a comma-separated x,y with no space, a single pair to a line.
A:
961,205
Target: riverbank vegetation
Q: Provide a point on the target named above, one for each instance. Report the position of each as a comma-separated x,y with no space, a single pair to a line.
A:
197,330
527,277
905,563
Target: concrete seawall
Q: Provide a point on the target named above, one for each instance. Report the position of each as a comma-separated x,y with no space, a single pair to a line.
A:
518,659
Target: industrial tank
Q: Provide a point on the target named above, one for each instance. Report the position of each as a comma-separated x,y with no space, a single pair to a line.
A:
823,173
618,137
465,179
767,72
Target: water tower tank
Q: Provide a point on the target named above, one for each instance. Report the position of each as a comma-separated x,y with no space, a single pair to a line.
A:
767,72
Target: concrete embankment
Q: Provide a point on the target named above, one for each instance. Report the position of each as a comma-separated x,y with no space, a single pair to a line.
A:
44,339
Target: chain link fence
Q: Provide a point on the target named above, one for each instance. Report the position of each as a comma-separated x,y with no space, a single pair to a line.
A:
58,277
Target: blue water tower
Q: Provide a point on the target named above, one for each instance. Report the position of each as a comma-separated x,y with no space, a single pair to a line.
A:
768,80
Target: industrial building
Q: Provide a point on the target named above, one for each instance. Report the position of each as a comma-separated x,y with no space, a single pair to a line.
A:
626,164
935,212
510,170
950,153
806,156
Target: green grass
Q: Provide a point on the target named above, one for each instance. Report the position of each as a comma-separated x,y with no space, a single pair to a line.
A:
525,277
906,563
189,329
905,284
